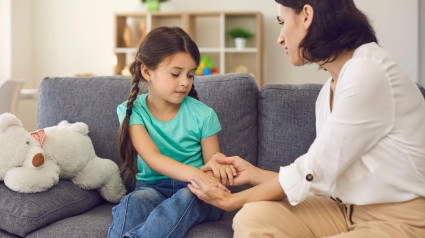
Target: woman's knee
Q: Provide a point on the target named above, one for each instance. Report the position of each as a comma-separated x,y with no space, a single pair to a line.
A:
250,213
260,219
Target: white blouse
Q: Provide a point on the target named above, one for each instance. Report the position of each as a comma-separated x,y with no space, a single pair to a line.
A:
371,147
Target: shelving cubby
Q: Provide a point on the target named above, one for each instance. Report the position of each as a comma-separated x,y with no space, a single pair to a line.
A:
208,29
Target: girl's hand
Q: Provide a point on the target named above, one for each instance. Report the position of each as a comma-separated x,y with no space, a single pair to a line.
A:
244,169
209,179
210,194
224,172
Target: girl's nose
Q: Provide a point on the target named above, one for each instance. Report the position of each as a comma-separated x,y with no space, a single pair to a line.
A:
183,81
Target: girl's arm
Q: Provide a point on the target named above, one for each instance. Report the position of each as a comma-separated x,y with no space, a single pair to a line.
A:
210,152
164,165
210,147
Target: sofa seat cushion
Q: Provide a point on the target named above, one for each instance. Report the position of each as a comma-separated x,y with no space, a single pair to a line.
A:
22,213
221,228
93,223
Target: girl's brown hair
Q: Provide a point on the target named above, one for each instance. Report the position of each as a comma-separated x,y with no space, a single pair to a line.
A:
338,25
158,44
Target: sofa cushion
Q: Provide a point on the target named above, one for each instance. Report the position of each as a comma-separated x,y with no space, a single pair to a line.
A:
22,213
286,118
234,98
93,223
221,228
5,234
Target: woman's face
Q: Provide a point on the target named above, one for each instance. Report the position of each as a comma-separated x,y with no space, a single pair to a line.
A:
292,32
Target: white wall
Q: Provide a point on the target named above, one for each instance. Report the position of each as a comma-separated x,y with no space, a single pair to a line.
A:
23,60
65,37
396,27
5,39
77,36
422,40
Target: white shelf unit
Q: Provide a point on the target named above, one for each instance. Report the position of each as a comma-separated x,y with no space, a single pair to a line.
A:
207,29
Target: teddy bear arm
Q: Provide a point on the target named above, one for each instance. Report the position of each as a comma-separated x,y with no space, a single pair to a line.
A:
32,180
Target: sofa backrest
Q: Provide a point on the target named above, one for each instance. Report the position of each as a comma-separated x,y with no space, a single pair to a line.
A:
286,120
275,124
234,99
94,100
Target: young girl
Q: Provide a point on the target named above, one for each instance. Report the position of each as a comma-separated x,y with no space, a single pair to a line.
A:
173,135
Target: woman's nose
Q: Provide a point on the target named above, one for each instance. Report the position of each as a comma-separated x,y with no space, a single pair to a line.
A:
281,39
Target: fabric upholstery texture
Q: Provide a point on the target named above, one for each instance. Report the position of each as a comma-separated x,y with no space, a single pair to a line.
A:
93,223
22,213
5,234
286,120
238,118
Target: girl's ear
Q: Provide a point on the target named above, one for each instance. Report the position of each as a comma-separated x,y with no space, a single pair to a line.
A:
146,73
308,13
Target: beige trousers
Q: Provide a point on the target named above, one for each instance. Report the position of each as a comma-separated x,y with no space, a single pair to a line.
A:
324,217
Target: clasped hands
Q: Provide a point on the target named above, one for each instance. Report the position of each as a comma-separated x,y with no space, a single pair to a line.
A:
233,171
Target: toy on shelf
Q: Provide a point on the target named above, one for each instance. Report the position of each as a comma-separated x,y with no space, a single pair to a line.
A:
206,66
241,69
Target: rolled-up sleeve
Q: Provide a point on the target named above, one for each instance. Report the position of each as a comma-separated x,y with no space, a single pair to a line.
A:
362,115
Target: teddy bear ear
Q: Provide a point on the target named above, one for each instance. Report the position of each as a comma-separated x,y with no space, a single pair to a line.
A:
7,120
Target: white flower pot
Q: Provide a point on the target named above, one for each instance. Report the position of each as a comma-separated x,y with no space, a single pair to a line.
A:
240,43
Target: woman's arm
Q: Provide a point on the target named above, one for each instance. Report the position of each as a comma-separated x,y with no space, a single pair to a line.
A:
164,165
269,190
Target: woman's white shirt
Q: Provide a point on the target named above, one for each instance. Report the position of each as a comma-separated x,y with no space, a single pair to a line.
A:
371,147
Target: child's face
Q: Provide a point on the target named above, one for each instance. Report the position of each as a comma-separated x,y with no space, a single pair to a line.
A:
172,80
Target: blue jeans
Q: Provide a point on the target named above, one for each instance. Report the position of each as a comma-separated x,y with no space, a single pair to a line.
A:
165,208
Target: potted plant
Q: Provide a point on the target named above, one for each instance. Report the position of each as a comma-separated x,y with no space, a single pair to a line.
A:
240,35
153,5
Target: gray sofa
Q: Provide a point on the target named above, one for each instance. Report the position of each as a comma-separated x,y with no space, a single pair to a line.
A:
268,127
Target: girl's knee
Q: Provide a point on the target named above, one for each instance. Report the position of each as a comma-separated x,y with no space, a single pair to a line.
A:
185,194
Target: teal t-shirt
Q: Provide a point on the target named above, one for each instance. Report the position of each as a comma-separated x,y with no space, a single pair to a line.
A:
180,138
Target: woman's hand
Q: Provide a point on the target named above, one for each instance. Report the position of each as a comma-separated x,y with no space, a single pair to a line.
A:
243,169
224,172
210,194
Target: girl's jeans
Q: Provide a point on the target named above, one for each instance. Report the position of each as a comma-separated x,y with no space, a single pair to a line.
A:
165,208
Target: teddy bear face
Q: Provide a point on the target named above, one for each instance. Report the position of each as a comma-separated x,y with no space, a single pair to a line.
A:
17,148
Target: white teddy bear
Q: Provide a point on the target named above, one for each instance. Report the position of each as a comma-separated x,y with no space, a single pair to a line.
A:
34,162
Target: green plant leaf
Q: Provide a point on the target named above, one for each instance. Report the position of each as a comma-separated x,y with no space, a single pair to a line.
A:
144,1
240,32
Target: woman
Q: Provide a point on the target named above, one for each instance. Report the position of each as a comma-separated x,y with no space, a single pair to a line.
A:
364,174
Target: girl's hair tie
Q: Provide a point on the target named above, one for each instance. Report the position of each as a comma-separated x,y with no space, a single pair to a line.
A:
129,111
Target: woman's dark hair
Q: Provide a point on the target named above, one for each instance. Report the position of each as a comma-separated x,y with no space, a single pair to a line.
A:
158,44
337,26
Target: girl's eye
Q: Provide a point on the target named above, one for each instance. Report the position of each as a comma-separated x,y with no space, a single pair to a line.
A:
191,76
175,75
